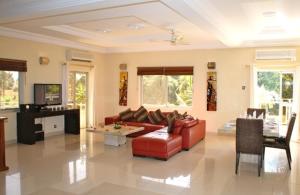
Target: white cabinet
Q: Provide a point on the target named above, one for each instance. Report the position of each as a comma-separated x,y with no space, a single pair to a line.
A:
52,125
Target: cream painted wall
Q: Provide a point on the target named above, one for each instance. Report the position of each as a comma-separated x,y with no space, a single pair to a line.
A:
51,73
232,73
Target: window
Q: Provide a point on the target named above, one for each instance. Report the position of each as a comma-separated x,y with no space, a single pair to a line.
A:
167,90
9,89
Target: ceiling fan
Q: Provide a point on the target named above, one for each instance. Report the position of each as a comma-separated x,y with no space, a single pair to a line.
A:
177,38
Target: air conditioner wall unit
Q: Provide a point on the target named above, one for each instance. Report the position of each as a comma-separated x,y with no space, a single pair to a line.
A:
79,56
276,54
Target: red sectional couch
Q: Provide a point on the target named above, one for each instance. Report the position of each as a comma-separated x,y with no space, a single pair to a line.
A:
155,141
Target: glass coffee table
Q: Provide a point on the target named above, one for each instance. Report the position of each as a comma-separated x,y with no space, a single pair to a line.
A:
115,137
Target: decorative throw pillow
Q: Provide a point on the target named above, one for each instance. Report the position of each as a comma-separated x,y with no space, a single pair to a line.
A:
158,111
126,115
142,117
157,117
181,116
176,114
141,114
139,111
170,119
151,118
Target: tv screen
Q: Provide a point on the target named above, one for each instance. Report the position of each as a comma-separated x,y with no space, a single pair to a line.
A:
47,94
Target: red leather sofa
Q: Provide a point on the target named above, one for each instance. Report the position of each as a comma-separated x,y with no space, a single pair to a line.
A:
155,141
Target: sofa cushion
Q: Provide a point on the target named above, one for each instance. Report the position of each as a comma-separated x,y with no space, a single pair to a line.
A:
157,115
148,127
126,115
139,111
177,127
157,144
151,118
141,114
143,117
170,120
163,116
164,123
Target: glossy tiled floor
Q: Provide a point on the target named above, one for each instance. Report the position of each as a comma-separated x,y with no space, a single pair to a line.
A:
83,165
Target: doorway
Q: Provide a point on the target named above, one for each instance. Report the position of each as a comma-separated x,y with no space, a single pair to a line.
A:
77,94
274,91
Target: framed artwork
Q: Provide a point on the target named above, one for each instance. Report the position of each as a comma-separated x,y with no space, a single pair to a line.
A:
123,88
211,91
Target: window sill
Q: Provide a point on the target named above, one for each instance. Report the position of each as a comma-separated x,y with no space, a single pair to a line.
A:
9,110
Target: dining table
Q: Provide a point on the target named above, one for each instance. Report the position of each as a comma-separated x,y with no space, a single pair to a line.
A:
270,128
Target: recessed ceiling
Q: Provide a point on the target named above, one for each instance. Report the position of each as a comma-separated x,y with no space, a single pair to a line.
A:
141,25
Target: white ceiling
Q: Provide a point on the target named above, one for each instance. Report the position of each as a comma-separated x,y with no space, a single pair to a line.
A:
144,25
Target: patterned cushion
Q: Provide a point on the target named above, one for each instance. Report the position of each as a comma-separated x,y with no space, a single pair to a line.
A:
171,119
142,117
157,117
139,112
161,114
151,118
176,114
126,115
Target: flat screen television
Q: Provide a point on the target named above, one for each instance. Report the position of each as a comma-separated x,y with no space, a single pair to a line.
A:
47,94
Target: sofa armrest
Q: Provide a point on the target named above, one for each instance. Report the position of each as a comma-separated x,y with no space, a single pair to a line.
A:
112,119
192,133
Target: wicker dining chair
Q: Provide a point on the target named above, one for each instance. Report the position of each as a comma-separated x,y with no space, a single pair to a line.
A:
258,111
282,142
249,139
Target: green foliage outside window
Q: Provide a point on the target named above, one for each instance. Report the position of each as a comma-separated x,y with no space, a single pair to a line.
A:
9,89
162,90
271,86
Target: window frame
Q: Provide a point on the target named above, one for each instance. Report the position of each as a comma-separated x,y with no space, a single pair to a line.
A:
166,105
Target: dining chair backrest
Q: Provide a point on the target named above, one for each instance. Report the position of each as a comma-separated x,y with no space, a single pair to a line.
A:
290,128
249,135
258,111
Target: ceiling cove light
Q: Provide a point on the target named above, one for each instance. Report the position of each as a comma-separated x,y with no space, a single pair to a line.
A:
269,14
106,30
136,26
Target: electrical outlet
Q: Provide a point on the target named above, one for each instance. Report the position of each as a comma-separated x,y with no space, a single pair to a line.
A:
54,126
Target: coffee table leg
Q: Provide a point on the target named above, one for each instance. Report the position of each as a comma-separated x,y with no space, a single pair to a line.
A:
122,139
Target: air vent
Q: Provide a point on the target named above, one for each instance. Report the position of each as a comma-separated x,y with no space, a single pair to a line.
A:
79,56
276,54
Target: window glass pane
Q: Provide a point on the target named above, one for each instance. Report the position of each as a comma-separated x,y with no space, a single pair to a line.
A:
287,86
9,89
161,90
180,90
80,88
153,89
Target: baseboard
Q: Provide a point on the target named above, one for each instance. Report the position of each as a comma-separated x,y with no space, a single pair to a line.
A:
8,142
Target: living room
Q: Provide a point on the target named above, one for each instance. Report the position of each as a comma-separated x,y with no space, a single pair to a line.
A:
83,164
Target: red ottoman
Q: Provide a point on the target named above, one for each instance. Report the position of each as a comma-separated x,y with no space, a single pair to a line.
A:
157,144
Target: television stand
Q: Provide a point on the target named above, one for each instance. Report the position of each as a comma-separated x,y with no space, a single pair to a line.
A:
26,120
